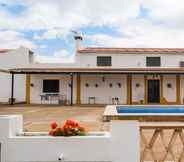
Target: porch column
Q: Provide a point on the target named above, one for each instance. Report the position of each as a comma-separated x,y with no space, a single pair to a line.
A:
129,89
145,90
28,82
71,82
78,92
178,94
162,100
12,89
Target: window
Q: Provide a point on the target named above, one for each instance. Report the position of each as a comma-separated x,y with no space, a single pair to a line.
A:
50,86
103,60
152,61
181,63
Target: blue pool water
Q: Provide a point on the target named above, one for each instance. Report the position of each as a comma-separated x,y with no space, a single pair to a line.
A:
152,109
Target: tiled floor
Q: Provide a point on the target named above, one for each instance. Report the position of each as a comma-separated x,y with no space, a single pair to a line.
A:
38,117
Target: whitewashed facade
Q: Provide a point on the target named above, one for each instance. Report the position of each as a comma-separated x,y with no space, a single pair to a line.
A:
12,58
127,80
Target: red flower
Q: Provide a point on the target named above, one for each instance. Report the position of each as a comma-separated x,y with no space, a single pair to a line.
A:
70,122
77,124
51,133
70,128
53,125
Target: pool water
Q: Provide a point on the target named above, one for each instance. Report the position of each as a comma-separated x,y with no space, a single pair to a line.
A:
152,109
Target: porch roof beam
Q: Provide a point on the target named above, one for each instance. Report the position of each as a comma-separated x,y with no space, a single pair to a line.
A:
4,71
101,73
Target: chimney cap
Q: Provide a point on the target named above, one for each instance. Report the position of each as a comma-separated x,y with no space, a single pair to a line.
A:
78,37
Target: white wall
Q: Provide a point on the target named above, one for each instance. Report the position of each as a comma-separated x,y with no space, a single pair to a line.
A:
13,59
37,81
129,60
49,149
5,86
127,149
137,92
169,93
103,92
45,148
121,144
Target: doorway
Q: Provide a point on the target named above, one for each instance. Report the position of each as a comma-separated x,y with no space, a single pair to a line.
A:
153,91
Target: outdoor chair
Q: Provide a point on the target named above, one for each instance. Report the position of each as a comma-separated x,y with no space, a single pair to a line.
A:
92,100
63,100
115,100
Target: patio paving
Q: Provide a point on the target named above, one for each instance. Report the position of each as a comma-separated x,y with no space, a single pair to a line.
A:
38,117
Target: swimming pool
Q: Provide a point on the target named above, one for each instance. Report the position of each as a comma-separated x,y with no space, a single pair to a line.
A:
152,109
144,113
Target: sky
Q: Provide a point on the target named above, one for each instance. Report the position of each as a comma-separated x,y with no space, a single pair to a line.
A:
46,26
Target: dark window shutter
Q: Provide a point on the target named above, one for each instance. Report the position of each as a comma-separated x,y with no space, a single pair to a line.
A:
153,61
50,86
104,61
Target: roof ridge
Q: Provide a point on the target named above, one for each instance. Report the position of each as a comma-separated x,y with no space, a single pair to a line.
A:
130,50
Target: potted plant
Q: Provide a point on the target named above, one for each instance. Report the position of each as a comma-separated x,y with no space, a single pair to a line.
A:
141,101
70,128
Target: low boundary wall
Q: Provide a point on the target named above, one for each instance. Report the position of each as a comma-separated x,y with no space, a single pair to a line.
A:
120,144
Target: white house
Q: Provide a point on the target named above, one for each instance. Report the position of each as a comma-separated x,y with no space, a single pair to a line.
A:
106,76
11,58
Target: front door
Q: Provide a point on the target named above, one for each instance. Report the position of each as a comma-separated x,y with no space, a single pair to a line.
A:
153,91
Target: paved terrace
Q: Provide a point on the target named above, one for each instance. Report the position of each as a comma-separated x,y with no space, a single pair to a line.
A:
38,117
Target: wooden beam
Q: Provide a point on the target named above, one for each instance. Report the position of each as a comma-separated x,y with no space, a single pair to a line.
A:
28,82
129,89
178,93
71,88
145,90
162,101
78,92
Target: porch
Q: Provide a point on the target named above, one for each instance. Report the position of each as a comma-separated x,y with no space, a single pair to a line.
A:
81,86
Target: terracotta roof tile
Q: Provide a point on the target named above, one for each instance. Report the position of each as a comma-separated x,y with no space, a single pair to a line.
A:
99,70
132,50
4,50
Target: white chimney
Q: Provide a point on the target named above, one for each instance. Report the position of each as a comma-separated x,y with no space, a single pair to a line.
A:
78,39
